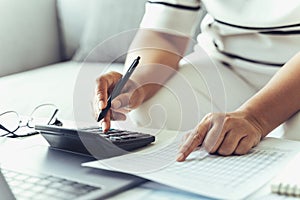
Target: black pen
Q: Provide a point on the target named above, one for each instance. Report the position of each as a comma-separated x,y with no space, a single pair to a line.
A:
117,89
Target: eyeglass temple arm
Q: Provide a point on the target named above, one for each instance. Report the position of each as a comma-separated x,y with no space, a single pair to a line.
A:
3,128
54,114
8,131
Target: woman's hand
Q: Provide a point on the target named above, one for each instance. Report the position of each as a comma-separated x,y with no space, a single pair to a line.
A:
131,97
225,134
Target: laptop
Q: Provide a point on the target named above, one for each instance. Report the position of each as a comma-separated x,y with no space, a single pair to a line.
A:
5,191
39,172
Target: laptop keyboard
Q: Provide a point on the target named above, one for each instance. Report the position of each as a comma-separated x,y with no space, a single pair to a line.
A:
41,187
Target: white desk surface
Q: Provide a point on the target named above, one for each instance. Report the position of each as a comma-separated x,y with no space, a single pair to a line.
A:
148,190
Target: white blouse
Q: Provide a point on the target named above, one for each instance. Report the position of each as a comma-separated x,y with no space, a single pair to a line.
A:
262,33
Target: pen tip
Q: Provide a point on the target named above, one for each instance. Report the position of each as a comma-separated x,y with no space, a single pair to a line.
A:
138,58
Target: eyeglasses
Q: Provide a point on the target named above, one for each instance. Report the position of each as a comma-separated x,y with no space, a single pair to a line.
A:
11,123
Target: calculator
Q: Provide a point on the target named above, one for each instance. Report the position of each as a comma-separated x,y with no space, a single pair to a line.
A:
72,139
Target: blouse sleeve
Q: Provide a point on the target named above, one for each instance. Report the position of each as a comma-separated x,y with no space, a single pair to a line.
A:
178,17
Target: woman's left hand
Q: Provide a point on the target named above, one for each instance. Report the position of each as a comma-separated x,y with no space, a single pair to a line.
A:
225,134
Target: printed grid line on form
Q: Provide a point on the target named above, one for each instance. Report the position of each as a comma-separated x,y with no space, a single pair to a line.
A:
144,162
228,171
231,177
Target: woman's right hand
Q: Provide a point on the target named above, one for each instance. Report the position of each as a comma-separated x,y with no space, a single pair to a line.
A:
131,97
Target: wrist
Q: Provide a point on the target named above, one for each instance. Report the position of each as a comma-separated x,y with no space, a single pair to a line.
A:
256,119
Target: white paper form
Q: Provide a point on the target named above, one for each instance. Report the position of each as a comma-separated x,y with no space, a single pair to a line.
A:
232,177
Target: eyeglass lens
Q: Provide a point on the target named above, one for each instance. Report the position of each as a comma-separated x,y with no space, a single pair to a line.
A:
43,115
9,121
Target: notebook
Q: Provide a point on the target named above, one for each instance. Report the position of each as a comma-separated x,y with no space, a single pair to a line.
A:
288,181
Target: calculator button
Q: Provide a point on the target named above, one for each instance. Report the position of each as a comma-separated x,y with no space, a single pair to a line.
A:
117,131
104,135
117,134
114,138
126,137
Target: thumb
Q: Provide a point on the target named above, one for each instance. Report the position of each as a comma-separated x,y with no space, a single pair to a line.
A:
120,101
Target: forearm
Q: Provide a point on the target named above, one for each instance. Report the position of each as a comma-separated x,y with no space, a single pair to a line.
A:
160,54
279,99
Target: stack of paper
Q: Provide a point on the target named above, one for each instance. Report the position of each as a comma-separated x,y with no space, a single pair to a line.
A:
232,177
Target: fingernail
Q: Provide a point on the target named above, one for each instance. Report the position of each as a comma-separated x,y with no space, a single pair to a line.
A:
180,157
116,104
101,104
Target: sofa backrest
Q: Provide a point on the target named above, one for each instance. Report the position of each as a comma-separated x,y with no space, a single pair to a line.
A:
36,33
72,17
28,35
86,24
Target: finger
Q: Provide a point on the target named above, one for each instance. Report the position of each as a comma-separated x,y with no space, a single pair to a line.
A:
193,141
122,110
120,101
118,116
216,133
184,138
136,98
106,122
188,137
129,100
244,146
230,143
248,142
104,86
126,100
101,92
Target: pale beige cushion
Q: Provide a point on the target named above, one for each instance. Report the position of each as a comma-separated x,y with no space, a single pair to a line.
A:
72,15
110,28
28,36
